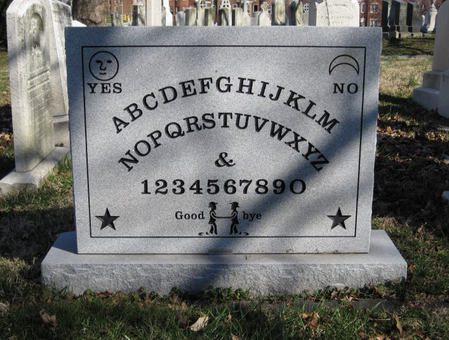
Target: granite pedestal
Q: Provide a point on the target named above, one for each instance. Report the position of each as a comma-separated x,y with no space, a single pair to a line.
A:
267,274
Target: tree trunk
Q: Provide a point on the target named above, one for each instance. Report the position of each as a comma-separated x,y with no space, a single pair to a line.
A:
90,12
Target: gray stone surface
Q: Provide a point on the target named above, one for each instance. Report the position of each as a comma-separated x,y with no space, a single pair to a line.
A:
30,79
260,274
336,13
153,13
296,170
441,52
59,18
446,196
434,94
31,180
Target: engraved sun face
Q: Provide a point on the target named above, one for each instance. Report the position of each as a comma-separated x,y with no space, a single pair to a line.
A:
103,66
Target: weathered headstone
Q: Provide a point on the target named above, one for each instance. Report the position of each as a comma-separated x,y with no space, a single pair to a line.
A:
431,15
279,17
264,16
400,28
153,11
224,13
139,14
338,13
209,16
201,12
59,18
296,10
191,15
167,16
414,21
29,45
223,157
180,19
434,94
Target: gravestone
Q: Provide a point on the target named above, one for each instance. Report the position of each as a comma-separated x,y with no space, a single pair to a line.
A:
337,13
201,10
400,28
279,17
434,94
414,21
227,172
180,19
30,68
209,16
190,16
264,16
139,14
153,12
296,10
167,16
61,17
224,13
431,15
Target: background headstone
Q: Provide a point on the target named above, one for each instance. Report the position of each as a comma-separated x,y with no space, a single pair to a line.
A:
414,21
30,77
401,29
153,10
224,13
431,18
279,17
434,94
264,16
338,13
180,19
30,69
138,14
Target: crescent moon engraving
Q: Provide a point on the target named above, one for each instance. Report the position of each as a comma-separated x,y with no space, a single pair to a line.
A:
344,59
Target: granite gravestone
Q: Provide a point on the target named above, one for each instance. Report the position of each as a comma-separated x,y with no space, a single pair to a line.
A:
222,160
224,154
31,74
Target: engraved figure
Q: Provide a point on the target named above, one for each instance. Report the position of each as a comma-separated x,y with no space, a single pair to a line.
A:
213,218
234,218
37,41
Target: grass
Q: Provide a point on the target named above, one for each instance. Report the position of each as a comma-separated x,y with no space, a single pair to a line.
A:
411,173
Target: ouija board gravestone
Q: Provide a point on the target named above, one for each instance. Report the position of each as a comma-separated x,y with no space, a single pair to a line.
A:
224,155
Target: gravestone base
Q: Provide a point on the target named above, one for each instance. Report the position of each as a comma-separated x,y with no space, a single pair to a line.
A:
61,130
427,97
434,83
446,196
31,180
261,274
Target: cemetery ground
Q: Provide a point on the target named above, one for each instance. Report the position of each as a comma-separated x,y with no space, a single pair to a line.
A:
412,171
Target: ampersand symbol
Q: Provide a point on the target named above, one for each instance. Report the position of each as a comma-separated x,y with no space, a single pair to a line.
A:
222,161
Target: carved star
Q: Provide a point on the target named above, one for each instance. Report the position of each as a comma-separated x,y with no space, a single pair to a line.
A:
339,219
107,220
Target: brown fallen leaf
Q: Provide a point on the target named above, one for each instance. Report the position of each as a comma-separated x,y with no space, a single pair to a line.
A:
228,318
183,320
199,324
48,319
314,322
398,323
235,337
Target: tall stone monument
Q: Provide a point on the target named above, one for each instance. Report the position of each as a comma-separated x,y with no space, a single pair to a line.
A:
223,173
32,94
